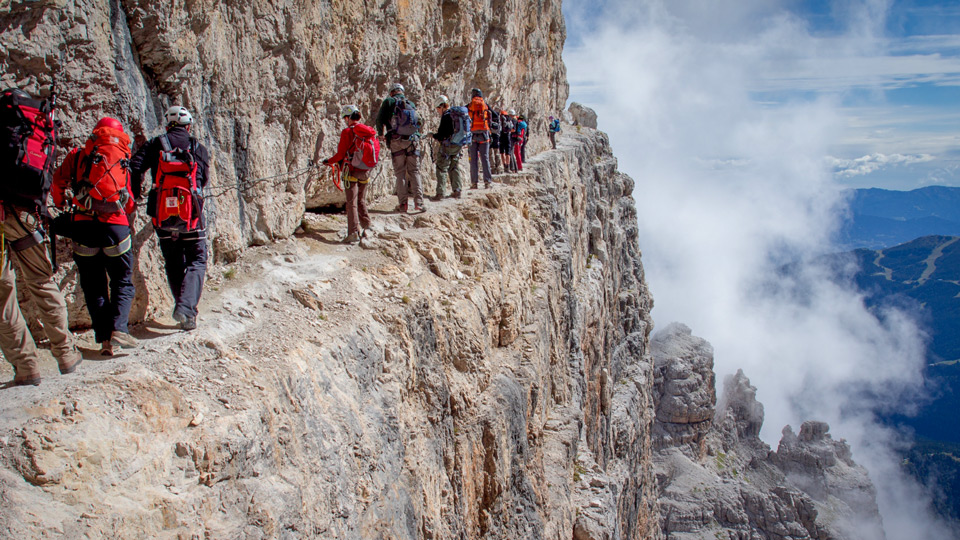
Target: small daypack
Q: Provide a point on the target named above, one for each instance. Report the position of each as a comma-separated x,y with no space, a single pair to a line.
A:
178,203
479,114
103,173
461,126
28,149
405,121
555,125
366,152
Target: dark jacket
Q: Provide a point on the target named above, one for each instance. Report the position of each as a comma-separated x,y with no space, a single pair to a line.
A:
445,131
148,156
385,114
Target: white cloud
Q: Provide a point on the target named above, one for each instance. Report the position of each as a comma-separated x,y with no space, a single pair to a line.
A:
728,190
873,162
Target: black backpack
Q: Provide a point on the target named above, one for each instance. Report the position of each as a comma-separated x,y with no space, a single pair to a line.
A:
28,147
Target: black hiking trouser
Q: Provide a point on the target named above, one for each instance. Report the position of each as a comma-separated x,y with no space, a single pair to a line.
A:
185,261
104,259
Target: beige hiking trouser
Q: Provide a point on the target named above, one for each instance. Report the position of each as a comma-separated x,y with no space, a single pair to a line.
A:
15,340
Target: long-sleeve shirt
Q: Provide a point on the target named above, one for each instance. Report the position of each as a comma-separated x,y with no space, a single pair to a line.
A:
148,156
385,114
445,131
346,147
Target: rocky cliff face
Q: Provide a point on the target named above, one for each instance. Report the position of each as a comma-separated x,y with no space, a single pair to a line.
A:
478,371
265,81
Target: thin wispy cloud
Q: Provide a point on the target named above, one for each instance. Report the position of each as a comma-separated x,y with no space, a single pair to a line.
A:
874,162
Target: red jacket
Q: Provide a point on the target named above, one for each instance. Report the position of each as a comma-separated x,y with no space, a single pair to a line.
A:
346,148
64,178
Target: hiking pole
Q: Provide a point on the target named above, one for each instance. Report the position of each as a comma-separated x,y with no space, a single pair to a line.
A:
51,225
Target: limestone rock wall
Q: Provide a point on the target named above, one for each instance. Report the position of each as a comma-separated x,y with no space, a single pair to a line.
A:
478,371
265,81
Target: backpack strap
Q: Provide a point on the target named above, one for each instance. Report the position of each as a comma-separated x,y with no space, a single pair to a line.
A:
165,143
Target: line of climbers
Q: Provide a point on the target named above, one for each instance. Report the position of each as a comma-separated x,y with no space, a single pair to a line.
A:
95,191
490,133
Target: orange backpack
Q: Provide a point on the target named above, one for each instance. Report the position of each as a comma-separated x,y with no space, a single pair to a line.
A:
479,114
103,173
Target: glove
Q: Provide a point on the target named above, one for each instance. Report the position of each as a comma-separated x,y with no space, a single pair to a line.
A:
326,161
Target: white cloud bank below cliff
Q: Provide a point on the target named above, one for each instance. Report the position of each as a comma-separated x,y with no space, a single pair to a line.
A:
728,190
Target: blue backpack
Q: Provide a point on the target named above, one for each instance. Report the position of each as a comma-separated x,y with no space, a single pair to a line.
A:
405,121
555,125
461,126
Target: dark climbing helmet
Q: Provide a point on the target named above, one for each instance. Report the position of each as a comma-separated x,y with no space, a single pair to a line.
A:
15,92
476,92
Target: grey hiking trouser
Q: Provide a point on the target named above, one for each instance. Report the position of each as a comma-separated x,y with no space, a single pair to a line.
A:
448,160
406,161
480,154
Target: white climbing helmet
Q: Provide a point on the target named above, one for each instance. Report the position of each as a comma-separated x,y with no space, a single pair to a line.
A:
396,88
178,115
512,112
442,100
348,110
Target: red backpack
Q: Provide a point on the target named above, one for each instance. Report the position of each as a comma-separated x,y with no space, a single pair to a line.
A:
366,152
178,204
103,173
28,150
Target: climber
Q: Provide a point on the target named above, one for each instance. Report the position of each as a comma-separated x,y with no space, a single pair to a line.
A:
398,116
506,141
30,123
359,150
496,164
180,171
552,130
526,138
453,134
519,136
480,145
97,177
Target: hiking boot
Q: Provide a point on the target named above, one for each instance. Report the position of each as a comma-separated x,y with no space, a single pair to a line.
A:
70,366
125,340
351,238
363,233
402,208
474,186
488,185
106,348
32,381
455,194
189,324
420,208
437,198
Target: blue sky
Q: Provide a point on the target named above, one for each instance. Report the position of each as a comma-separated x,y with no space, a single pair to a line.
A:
891,70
